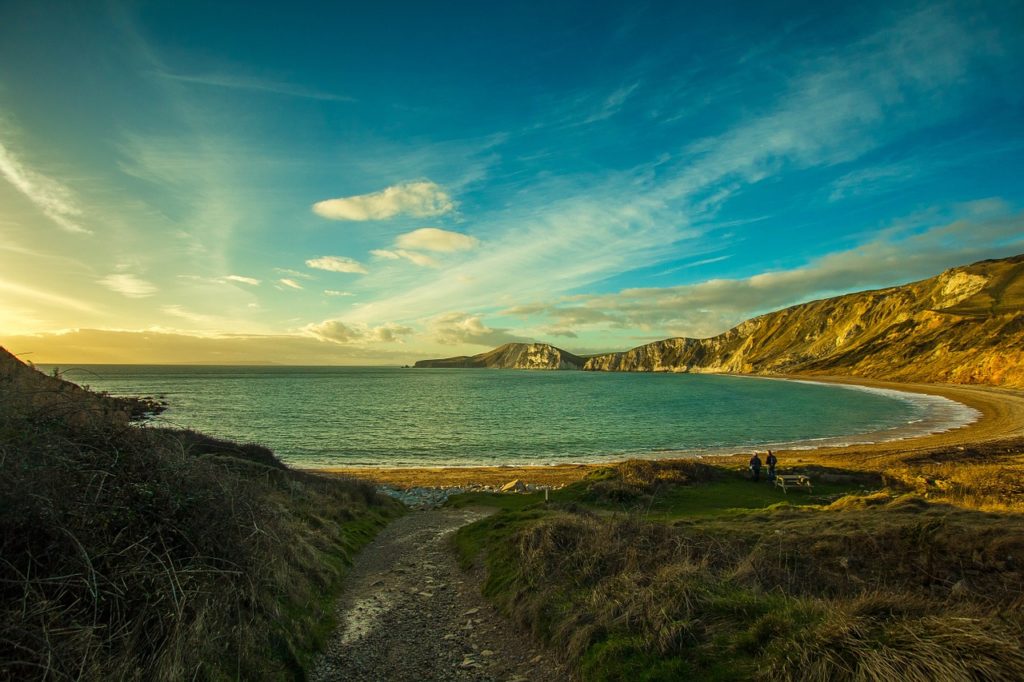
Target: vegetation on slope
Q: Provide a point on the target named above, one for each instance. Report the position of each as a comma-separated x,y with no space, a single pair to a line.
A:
963,326
142,553
869,585
513,356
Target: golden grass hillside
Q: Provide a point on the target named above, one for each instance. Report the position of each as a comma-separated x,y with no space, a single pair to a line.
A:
963,326
141,553
665,571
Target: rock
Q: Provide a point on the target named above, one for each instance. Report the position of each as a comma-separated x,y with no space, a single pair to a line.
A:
471,612
515,486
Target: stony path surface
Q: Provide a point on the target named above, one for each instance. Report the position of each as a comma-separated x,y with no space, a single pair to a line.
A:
410,613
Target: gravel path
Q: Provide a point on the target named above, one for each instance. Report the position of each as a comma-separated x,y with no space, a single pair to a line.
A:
410,613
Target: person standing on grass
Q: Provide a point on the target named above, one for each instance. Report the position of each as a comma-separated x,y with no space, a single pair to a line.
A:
770,461
755,467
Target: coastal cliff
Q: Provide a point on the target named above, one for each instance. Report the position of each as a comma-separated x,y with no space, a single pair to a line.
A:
513,356
965,325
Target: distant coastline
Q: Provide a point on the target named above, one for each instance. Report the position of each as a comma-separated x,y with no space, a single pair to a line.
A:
1000,416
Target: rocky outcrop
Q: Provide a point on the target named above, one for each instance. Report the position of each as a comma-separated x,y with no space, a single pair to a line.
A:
513,356
963,326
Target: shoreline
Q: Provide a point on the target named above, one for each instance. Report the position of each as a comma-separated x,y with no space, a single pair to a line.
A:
1001,417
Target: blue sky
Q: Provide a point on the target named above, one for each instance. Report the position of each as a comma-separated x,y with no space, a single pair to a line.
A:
332,183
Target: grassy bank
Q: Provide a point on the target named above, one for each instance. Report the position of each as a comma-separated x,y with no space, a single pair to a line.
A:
142,553
653,571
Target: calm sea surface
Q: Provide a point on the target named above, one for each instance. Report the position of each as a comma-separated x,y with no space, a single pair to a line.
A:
323,416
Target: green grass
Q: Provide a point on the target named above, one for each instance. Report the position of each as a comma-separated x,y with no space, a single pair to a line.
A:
683,571
160,554
729,492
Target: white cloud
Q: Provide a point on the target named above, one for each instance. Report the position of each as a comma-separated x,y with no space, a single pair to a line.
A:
252,281
460,328
339,332
421,259
334,292
55,200
337,264
185,314
290,283
435,239
418,199
899,254
293,273
129,285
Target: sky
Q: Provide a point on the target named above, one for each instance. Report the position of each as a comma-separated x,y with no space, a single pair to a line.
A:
375,183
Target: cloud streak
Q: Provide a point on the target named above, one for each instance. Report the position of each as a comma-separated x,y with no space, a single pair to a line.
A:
253,84
436,239
902,253
418,199
337,264
54,199
128,285
457,328
337,331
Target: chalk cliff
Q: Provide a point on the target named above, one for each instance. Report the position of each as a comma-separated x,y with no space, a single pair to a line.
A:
513,356
965,325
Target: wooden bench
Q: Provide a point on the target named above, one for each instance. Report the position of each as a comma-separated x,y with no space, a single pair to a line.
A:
787,481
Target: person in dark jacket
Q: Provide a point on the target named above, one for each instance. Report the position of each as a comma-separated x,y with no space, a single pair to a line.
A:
755,467
770,461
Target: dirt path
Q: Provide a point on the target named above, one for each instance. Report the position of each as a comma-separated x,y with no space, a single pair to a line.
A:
410,613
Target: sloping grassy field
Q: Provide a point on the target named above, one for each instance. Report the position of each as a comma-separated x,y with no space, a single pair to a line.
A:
139,553
668,571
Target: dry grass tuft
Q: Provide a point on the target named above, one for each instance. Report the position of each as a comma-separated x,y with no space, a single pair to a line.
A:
856,590
142,553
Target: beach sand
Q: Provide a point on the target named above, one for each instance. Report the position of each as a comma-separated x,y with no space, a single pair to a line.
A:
1002,418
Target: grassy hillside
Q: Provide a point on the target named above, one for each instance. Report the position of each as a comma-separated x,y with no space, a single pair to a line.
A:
965,325
144,553
679,570
513,356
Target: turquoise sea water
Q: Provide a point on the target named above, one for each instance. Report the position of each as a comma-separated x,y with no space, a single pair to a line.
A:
331,416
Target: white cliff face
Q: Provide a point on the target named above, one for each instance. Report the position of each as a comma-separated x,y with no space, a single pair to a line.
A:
957,286
965,325
514,356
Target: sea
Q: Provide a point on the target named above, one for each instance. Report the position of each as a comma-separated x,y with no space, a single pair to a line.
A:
388,416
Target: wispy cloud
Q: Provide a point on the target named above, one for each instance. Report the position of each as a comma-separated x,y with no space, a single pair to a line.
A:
54,199
870,180
335,292
457,328
336,331
906,251
185,314
254,84
251,281
420,259
417,199
337,264
436,239
16,290
128,285
293,273
290,283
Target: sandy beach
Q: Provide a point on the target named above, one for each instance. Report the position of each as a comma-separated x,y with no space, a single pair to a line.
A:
1002,418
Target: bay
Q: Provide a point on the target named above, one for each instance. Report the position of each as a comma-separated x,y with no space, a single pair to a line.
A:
385,416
